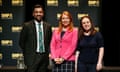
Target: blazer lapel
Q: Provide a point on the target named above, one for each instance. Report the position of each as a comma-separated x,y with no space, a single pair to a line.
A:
65,34
44,29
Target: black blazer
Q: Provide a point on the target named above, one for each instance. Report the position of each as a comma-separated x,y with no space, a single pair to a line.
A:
28,40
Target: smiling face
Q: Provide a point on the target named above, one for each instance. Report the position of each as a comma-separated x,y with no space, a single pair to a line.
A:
65,20
86,24
38,13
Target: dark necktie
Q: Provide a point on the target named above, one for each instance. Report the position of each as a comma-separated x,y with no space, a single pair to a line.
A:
41,40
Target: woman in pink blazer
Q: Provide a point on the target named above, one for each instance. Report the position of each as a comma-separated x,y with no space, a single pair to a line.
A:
63,44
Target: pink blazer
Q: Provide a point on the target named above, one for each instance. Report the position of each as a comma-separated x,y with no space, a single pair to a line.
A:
65,47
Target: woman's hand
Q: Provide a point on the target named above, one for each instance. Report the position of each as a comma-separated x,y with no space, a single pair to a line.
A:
58,60
99,67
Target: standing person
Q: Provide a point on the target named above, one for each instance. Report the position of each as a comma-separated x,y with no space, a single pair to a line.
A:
35,41
90,47
63,44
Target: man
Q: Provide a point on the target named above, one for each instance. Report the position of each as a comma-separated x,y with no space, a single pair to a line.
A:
30,41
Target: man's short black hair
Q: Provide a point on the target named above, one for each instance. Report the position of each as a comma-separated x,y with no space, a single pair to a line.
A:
38,6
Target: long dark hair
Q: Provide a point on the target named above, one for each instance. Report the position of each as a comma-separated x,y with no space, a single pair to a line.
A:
81,29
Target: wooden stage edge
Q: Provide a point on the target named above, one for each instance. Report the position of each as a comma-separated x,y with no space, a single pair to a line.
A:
11,68
14,67
111,68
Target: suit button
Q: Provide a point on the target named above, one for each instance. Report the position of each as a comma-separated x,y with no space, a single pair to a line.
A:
60,46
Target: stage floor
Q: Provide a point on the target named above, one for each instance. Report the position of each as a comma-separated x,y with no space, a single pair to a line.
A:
15,69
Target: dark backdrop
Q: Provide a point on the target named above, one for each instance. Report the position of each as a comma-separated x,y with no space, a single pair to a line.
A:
109,27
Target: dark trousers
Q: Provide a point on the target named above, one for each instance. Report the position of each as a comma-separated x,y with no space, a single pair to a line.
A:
40,63
86,67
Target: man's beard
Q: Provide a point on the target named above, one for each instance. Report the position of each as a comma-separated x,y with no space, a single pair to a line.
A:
39,20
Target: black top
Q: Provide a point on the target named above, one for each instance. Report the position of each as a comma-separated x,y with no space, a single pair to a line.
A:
89,48
62,33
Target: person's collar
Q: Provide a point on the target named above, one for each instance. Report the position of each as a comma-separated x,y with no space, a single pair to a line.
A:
36,22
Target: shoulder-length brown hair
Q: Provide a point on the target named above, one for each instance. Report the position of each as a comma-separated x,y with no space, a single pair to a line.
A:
81,29
71,21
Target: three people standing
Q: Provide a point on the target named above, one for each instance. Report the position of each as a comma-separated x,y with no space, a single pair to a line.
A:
63,43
